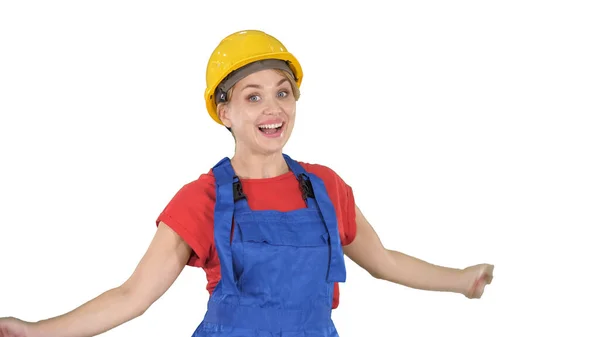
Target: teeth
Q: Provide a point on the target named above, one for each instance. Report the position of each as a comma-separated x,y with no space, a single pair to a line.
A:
270,126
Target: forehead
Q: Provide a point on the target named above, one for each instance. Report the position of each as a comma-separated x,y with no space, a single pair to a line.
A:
263,78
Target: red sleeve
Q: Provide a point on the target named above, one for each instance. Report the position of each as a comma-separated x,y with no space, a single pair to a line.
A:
190,215
341,196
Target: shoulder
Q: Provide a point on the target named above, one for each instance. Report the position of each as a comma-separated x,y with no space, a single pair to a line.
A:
190,214
317,168
191,204
201,187
329,176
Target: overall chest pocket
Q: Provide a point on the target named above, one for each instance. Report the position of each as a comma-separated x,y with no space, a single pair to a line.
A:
274,234
282,262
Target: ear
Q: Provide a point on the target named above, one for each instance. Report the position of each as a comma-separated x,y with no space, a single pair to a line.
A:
223,113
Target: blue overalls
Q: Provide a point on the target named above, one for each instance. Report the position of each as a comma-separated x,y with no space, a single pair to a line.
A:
277,268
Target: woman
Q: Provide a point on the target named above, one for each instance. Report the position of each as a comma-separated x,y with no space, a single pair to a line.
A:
270,232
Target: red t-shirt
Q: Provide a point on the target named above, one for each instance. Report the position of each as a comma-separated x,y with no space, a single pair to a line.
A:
191,212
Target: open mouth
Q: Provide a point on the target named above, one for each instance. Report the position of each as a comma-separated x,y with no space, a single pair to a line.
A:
271,130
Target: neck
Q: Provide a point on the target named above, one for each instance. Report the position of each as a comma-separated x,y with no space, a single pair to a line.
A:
249,165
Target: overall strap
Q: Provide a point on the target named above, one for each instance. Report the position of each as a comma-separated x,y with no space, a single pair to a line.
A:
302,176
313,187
337,268
223,219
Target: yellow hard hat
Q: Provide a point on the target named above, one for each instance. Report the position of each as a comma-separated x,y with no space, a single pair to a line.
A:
248,49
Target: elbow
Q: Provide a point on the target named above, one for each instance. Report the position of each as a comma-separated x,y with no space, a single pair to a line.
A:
133,297
385,269
377,274
140,310
384,276
389,275
381,272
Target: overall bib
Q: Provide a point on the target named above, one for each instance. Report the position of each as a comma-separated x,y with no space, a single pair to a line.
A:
277,268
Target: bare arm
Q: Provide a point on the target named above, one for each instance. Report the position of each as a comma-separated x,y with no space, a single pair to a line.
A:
160,266
369,253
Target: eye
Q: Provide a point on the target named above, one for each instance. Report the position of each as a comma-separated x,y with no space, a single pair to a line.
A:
282,94
253,98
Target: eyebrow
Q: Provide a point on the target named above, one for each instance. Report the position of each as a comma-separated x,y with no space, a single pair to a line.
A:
257,86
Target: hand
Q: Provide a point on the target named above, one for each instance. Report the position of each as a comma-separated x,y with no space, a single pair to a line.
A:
476,278
13,327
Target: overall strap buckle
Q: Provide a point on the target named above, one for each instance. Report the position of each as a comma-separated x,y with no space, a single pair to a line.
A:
306,187
238,192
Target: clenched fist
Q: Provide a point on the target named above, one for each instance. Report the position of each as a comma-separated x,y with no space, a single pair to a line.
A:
13,327
476,278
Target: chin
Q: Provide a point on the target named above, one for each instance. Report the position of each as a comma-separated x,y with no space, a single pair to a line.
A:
272,147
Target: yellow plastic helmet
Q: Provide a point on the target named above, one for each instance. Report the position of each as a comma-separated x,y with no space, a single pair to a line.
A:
250,50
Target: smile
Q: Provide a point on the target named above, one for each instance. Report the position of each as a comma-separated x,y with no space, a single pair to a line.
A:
271,130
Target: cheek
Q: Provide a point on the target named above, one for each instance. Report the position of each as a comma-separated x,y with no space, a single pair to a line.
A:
291,110
249,116
243,114
289,106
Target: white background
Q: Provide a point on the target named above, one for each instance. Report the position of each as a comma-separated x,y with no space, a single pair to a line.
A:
469,131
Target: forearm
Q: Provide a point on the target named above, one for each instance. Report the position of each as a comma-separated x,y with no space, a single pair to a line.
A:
108,310
418,274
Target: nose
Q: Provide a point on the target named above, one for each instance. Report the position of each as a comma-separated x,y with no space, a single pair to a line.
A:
272,107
